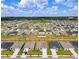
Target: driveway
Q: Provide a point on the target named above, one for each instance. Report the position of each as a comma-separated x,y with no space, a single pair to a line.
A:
54,54
15,53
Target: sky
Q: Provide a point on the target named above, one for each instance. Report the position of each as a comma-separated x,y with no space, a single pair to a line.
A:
38,8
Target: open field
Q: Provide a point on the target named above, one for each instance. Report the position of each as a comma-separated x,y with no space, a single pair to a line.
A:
48,37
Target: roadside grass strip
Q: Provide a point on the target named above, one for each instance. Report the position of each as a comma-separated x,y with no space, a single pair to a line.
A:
24,38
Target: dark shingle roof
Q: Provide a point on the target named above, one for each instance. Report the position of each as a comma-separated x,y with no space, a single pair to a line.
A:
6,45
53,45
75,44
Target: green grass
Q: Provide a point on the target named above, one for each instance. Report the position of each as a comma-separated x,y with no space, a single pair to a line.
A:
20,52
24,38
7,52
62,52
49,51
34,52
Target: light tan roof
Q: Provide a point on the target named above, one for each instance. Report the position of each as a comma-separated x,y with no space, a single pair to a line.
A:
41,44
17,45
29,45
66,45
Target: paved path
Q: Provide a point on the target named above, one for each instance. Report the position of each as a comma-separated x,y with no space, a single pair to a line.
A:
35,58
44,53
15,53
23,54
74,53
54,54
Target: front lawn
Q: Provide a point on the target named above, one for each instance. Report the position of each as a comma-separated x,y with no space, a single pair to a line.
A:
7,52
34,52
62,52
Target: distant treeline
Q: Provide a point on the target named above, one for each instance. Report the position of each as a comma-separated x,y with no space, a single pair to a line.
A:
39,18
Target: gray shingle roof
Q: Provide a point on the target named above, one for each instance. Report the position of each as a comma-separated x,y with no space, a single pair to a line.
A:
29,45
53,44
66,45
17,45
41,44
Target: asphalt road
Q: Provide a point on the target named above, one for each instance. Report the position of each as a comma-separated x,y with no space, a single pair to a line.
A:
35,58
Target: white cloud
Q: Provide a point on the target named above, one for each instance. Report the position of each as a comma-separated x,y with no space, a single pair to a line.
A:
59,1
74,10
3,6
64,12
22,3
39,4
75,7
69,3
29,4
6,7
55,7
6,10
48,11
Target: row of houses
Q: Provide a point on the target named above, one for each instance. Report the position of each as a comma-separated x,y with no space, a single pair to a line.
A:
25,32
39,45
36,25
51,22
